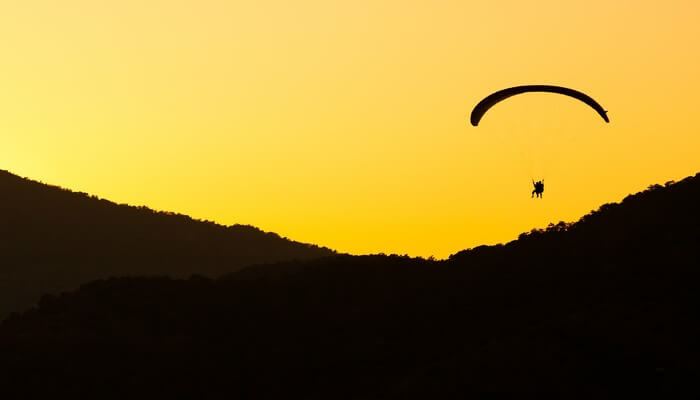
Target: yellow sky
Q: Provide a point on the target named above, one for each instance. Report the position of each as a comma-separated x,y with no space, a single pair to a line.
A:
346,123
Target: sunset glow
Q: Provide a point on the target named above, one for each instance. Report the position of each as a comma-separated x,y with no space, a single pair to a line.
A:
346,124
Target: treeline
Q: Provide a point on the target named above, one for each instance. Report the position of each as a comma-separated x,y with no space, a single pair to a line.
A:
52,239
599,308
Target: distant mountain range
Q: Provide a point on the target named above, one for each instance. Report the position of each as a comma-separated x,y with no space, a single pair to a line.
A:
603,308
53,239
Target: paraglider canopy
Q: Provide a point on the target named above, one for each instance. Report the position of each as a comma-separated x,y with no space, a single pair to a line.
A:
494,98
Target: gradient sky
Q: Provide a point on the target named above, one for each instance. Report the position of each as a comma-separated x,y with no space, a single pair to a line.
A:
346,123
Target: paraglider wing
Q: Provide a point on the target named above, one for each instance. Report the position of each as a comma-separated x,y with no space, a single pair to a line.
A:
494,98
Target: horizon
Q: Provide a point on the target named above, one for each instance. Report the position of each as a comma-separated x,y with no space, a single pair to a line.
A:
320,245
347,125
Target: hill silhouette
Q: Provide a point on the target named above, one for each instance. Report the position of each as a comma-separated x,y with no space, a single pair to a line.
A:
52,240
603,307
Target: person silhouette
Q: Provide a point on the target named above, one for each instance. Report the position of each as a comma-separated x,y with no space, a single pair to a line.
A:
539,188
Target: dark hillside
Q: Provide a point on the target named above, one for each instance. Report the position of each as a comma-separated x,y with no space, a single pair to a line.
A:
602,308
52,240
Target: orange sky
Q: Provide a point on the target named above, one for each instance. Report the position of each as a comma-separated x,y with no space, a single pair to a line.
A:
346,125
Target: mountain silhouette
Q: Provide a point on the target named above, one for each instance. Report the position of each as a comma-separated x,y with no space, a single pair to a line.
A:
603,307
52,240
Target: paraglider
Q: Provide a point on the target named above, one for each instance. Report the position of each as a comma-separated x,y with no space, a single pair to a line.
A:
539,188
495,98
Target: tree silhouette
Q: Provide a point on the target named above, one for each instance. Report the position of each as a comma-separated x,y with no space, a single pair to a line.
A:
593,308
